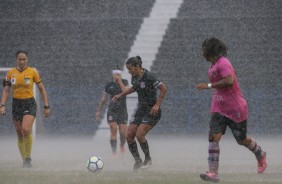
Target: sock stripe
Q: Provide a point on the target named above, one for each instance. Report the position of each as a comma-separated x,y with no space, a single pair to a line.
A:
255,147
213,158
214,151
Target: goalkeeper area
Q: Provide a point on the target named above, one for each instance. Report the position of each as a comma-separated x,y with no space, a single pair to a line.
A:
176,160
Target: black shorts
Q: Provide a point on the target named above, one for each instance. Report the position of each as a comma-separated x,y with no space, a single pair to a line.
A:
120,117
23,107
219,123
143,116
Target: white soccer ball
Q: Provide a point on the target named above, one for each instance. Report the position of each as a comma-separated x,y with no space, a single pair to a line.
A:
95,164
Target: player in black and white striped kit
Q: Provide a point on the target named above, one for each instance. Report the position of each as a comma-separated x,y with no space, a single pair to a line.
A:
148,113
117,111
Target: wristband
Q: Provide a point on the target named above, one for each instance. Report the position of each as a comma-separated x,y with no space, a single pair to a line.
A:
47,107
2,105
209,85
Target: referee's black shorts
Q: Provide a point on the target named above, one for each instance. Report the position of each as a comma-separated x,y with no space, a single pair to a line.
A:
21,107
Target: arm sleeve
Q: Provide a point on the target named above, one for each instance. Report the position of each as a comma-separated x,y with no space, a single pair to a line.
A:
134,84
36,77
155,82
225,68
7,81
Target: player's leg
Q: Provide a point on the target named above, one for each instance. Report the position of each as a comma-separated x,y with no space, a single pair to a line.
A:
112,118
217,129
148,122
253,146
122,125
29,113
18,127
122,133
142,131
17,111
27,137
132,145
213,159
113,136
239,131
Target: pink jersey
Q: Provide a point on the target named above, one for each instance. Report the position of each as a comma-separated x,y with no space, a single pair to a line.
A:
228,102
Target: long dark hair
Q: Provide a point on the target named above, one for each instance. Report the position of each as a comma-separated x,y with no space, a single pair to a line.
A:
213,47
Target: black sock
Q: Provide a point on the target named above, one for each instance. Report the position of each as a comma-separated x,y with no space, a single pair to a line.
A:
134,151
145,148
114,145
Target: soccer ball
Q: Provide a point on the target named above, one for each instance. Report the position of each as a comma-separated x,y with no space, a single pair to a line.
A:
95,164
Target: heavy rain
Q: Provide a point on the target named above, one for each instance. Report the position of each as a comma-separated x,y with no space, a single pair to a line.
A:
75,45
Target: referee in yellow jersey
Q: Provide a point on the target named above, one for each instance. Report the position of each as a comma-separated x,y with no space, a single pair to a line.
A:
21,79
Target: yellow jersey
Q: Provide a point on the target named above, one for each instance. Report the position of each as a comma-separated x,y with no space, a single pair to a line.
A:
22,82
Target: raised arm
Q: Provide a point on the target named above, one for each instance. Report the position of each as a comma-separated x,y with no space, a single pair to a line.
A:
118,80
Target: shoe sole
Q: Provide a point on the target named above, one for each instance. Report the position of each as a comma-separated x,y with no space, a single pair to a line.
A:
207,178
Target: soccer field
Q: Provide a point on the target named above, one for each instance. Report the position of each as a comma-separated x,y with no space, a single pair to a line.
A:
176,160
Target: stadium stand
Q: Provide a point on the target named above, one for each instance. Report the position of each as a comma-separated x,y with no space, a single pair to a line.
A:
252,31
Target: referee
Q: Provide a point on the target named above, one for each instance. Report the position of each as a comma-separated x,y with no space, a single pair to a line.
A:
21,79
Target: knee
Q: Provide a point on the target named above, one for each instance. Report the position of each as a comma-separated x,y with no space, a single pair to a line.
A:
113,128
19,132
241,143
25,131
129,139
244,142
113,137
123,132
214,137
140,138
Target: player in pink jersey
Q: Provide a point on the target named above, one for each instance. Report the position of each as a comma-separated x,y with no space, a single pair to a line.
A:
229,108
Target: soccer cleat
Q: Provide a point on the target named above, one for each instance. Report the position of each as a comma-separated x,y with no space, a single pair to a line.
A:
262,164
137,165
146,164
27,163
210,176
